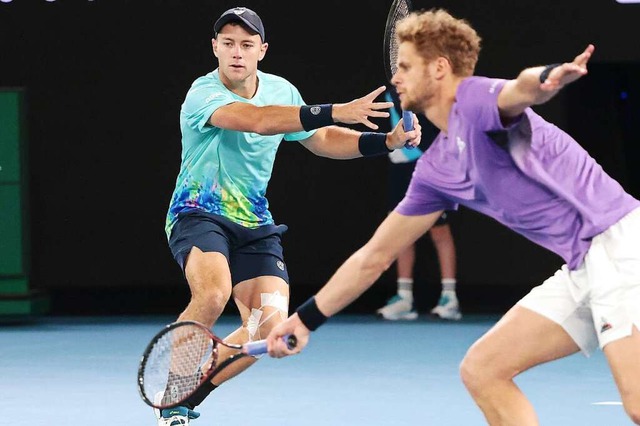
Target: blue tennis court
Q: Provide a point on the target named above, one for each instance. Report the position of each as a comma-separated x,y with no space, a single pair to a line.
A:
356,371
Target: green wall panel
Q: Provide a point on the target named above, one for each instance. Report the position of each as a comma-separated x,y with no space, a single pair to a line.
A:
10,136
11,244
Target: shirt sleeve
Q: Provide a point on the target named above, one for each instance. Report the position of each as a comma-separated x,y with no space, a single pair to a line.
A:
477,102
421,199
201,102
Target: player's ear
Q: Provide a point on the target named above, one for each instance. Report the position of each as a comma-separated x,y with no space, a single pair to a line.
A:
214,46
442,65
263,51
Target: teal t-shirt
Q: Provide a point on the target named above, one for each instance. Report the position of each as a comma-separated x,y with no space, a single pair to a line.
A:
226,172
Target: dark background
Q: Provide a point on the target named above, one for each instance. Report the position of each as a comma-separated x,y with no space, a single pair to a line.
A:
104,81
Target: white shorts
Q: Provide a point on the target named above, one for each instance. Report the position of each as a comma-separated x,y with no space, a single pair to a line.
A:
600,301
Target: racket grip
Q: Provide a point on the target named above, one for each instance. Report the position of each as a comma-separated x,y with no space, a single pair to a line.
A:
259,347
407,125
407,120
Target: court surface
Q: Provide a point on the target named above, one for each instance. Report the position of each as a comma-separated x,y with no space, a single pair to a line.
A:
356,371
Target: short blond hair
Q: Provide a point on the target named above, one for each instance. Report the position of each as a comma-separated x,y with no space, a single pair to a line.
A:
436,33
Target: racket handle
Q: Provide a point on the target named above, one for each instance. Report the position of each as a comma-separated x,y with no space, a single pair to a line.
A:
259,347
407,124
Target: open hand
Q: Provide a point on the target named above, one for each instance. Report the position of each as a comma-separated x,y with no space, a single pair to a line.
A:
568,72
358,111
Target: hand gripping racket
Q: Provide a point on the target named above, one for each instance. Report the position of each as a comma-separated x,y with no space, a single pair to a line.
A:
181,357
399,9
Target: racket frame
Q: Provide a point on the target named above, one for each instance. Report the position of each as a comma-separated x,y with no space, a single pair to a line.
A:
389,67
252,348
389,35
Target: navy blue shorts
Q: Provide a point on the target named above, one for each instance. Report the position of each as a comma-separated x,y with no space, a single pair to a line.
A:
251,252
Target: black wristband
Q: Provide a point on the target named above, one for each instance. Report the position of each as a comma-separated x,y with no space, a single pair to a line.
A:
545,72
316,116
310,315
373,144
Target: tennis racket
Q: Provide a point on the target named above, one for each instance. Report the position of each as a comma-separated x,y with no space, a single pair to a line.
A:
399,9
181,357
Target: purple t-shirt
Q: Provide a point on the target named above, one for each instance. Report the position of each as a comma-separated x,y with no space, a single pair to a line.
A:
530,176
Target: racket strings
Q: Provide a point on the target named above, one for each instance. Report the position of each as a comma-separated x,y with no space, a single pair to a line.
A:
400,12
177,364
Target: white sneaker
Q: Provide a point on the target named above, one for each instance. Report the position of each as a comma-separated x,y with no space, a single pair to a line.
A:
398,308
176,416
448,307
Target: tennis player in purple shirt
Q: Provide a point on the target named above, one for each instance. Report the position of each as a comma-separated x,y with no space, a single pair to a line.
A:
494,154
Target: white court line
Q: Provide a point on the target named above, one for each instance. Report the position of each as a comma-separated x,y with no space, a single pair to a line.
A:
607,403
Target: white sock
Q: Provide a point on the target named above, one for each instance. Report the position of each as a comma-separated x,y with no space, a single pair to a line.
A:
405,288
448,285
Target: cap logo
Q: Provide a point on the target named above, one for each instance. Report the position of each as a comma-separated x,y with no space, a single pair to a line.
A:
239,10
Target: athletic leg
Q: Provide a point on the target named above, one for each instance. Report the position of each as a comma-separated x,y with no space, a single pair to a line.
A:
406,262
614,262
209,280
263,303
520,340
445,248
400,306
623,356
448,306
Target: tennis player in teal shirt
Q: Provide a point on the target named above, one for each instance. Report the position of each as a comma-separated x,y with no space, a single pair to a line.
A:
219,226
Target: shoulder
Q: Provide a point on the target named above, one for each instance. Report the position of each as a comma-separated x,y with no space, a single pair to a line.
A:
274,89
206,90
479,86
273,79
210,80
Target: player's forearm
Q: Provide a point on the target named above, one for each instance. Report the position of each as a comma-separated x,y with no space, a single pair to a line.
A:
277,119
349,282
270,119
342,143
336,142
522,93
529,83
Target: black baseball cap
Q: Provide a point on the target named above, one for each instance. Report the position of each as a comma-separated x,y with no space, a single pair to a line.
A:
240,14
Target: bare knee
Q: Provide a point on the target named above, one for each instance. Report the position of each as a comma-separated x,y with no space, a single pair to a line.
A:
271,318
471,371
210,297
479,370
208,294
633,410
263,319
209,277
441,235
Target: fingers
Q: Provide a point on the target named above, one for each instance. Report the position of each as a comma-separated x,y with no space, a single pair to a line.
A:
584,57
381,105
279,349
362,109
376,93
413,138
565,74
373,113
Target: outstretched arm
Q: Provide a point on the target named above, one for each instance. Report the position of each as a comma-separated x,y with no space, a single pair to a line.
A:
342,143
276,119
528,89
355,276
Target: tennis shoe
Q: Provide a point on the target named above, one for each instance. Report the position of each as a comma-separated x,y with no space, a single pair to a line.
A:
176,416
398,308
448,307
